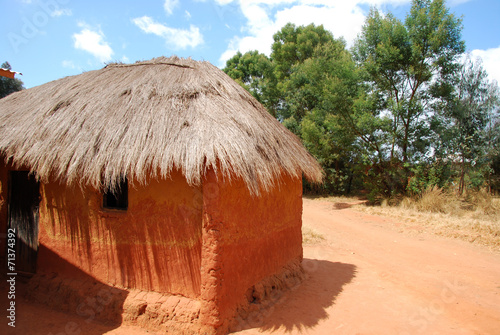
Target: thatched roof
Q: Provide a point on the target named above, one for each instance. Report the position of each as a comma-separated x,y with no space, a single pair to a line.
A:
144,120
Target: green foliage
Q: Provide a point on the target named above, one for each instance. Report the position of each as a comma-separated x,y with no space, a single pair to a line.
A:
464,129
255,72
407,65
308,84
293,45
397,114
493,171
493,174
324,89
8,85
427,176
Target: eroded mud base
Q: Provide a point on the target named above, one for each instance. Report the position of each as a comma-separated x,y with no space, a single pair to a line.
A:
261,299
173,314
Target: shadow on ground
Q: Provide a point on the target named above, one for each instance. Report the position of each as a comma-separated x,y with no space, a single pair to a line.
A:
305,305
47,304
301,308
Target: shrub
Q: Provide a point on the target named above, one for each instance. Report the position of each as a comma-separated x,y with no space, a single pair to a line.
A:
432,200
484,202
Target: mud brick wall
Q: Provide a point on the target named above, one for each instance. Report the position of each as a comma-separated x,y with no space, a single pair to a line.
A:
245,239
154,245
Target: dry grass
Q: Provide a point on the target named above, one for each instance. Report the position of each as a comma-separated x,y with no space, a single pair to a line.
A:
479,204
433,200
339,202
474,218
311,236
144,120
335,199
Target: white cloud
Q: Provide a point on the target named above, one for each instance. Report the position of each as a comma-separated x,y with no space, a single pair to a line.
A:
62,12
343,20
68,64
223,2
187,15
453,3
266,17
177,38
93,42
169,6
383,2
491,61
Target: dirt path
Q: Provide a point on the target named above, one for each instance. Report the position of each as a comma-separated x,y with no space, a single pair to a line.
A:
367,277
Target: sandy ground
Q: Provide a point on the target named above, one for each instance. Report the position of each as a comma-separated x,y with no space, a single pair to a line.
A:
370,275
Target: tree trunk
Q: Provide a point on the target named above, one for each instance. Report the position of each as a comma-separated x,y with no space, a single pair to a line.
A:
406,173
461,184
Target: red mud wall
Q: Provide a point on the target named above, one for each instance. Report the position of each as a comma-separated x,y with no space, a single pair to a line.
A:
154,245
245,239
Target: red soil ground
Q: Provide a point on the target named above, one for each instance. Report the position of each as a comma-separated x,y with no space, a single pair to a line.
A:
369,276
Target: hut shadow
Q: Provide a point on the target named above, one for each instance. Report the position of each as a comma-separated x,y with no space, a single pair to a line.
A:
47,303
306,305
130,243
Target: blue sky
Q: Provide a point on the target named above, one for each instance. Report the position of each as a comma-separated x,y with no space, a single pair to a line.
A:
50,39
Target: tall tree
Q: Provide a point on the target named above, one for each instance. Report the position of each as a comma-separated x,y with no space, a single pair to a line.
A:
8,85
408,66
307,83
255,72
470,116
322,90
493,173
293,46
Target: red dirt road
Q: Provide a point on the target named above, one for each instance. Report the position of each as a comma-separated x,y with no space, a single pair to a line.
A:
369,276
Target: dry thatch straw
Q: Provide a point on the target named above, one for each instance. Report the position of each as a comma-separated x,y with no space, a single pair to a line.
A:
158,115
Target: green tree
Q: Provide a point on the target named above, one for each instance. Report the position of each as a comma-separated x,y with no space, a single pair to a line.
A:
465,125
493,173
293,46
8,85
470,116
322,91
267,78
408,65
255,72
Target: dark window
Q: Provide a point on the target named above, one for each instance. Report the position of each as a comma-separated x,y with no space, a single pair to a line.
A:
117,199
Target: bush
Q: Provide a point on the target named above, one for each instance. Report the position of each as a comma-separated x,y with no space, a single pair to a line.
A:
483,202
426,176
433,199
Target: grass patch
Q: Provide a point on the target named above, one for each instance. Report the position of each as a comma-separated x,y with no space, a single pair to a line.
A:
474,217
335,199
311,236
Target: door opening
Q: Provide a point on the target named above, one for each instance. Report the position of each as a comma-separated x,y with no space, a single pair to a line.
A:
24,200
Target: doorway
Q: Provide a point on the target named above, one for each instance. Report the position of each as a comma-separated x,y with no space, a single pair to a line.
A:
24,200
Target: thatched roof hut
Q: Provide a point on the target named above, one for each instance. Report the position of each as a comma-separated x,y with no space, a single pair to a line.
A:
214,217
148,118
